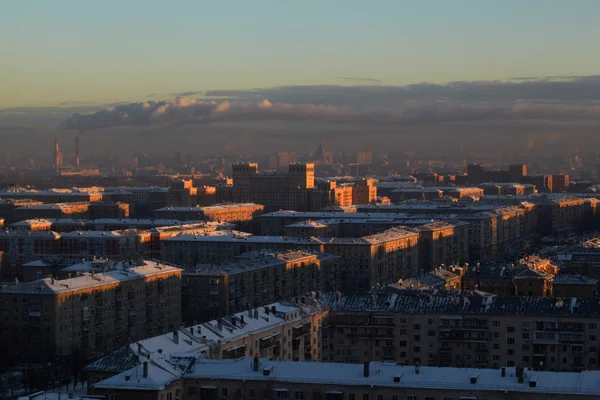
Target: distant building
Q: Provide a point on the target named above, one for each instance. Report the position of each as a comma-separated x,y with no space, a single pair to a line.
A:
182,193
288,190
227,212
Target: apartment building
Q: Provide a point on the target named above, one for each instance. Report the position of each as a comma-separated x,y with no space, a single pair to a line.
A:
443,243
280,331
56,210
90,314
508,280
36,224
255,279
376,259
108,209
8,207
439,328
234,212
73,195
182,193
261,378
571,285
275,191
20,247
330,194
441,278
127,244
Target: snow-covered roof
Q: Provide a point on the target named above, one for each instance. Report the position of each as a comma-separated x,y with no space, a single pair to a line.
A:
381,374
573,279
257,260
237,236
216,207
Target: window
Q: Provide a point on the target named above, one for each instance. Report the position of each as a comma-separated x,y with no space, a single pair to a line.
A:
417,349
411,397
298,395
431,333
429,398
525,335
365,396
593,361
224,391
510,329
238,393
592,338
351,396
251,393
592,349
496,324
169,396
525,324
591,326
417,327
496,346
417,338
192,390
525,359
510,352
510,340
496,357
379,397
430,321
525,347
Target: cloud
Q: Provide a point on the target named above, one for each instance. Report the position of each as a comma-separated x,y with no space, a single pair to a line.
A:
370,80
186,111
544,99
178,94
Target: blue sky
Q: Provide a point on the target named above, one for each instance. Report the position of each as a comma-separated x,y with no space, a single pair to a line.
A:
62,51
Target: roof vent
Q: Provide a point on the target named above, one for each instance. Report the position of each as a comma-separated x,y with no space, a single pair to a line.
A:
474,378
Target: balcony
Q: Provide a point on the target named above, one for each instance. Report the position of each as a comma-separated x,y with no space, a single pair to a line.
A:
269,341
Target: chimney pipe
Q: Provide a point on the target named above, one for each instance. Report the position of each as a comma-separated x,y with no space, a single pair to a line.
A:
503,369
366,369
255,363
77,152
273,310
145,369
56,155
242,321
175,336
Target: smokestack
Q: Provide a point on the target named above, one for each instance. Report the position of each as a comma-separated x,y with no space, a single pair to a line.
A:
77,152
145,369
255,364
366,369
56,155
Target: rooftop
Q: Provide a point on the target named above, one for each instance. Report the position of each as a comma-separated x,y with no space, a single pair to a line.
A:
216,207
257,260
237,236
90,280
392,300
574,279
382,374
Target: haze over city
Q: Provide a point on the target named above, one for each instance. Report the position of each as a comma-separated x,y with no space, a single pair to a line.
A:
299,200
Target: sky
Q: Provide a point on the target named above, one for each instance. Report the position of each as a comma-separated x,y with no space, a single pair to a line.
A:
73,52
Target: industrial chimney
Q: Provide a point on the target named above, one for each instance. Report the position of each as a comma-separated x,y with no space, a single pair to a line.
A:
56,155
77,152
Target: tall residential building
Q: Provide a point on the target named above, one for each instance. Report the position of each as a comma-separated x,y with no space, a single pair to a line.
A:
182,193
255,279
89,314
287,190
